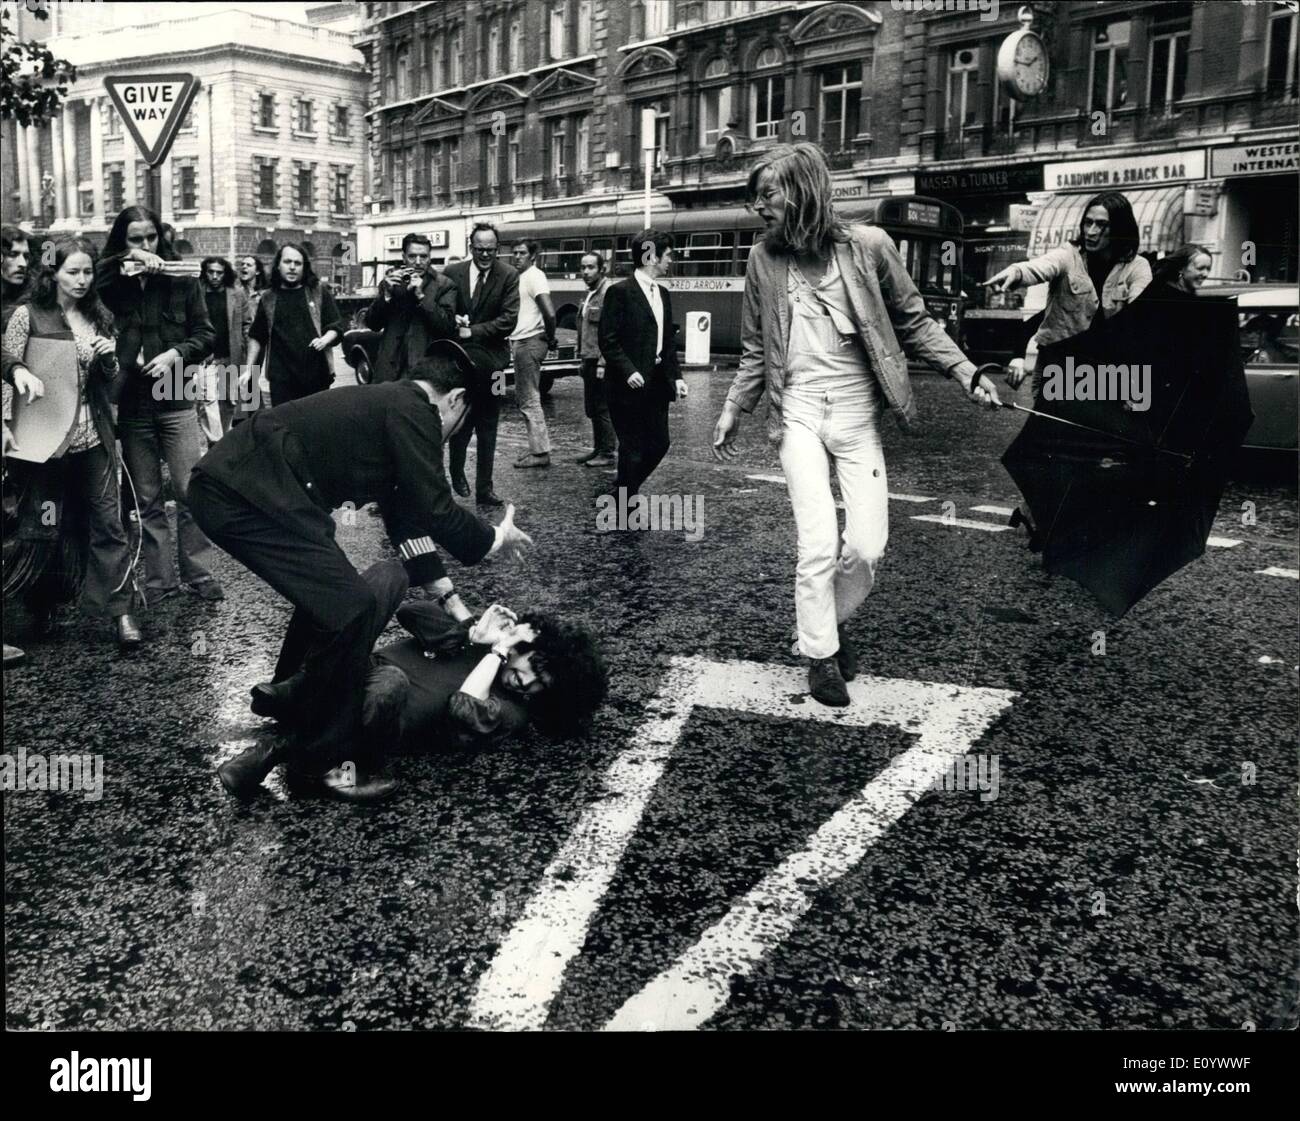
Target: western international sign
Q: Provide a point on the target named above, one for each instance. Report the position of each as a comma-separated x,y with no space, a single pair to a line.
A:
152,106
1132,171
1256,159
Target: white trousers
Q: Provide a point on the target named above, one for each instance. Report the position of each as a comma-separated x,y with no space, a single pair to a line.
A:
833,575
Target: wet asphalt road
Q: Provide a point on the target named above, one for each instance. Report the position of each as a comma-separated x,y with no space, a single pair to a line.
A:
1124,876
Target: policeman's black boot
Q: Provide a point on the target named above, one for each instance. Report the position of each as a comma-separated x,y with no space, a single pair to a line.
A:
243,774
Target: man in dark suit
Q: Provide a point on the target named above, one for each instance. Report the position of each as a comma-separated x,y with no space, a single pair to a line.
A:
638,343
412,313
265,493
490,289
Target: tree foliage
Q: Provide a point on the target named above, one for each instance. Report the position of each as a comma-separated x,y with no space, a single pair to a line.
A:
33,83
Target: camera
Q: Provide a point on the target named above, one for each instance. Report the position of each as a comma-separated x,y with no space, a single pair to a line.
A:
400,276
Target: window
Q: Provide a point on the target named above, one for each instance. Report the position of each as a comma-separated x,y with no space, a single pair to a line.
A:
1168,67
767,97
662,119
439,77
454,59
841,106
492,159
401,178
341,122
114,187
767,103
86,202
431,166
268,196
1282,34
963,92
403,74
555,147
1109,78
512,155
744,243
584,26
305,199
657,15
555,37
494,47
706,254
306,116
715,112
187,122
581,142
1004,110
113,121
266,110
342,201
515,45
453,163
186,187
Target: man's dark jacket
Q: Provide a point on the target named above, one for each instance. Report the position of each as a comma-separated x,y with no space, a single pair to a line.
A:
627,343
410,324
167,313
366,443
494,312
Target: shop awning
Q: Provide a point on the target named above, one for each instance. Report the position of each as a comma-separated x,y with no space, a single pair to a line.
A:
1158,211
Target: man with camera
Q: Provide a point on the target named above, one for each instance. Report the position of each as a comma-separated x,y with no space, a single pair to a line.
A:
414,307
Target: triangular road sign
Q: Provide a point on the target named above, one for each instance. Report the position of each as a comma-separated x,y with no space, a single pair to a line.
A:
153,106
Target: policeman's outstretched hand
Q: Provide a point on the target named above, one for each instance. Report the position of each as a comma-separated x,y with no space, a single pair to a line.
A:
514,541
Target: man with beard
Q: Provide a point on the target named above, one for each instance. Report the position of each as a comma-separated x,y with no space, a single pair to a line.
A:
603,441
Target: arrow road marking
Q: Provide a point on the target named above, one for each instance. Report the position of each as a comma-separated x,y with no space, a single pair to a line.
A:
519,986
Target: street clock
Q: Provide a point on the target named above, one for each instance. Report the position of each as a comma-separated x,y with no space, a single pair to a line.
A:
1022,61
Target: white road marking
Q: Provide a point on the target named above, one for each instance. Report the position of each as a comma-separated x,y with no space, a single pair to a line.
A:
768,478
910,497
1222,542
1273,570
523,979
960,523
1005,511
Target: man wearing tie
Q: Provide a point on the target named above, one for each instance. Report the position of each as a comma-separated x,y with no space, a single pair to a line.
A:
414,306
638,343
490,289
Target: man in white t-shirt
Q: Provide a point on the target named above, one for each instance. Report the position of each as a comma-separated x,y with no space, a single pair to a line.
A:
533,336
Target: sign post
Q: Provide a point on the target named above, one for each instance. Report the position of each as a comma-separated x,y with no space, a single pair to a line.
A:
152,107
647,156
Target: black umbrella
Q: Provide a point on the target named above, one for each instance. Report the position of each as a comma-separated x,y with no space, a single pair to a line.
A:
1123,498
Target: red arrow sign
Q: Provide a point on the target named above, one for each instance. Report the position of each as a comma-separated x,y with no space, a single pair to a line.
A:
153,106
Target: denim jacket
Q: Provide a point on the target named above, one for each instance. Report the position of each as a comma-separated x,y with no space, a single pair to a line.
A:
886,307
1072,299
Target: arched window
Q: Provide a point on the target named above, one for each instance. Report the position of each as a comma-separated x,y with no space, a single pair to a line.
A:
718,68
768,56
715,104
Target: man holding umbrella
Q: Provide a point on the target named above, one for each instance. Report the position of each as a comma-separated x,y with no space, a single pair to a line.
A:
265,494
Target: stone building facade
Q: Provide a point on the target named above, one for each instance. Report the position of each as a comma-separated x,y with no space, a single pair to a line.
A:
271,150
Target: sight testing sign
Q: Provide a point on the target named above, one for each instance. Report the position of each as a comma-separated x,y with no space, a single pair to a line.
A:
153,106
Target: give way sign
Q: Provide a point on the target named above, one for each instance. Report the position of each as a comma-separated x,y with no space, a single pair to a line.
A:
153,106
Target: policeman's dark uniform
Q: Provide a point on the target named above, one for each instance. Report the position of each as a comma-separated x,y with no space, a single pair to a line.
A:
265,493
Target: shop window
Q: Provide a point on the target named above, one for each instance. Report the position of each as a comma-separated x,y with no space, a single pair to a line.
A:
1109,66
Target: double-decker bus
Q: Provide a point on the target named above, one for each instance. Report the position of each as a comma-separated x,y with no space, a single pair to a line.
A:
711,247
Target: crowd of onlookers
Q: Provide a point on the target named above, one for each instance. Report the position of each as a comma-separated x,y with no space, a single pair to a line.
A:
169,358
